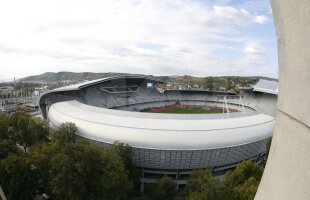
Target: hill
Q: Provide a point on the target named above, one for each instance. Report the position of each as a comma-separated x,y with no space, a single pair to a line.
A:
224,83
51,77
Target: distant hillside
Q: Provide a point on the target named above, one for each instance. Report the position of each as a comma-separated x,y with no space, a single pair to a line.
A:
195,79
50,77
265,78
210,82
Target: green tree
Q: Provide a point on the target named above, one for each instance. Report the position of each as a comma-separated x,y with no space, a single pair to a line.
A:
163,189
28,131
20,129
4,127
125,152
18,178
8,147
41,155
242,182
65,133
208,83
39,129
116,184
229,84
203,185
248,189
81,171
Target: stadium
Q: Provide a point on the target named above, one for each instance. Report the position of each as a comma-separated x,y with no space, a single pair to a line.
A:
171,132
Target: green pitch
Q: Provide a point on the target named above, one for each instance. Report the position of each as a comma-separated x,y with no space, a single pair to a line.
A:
191,110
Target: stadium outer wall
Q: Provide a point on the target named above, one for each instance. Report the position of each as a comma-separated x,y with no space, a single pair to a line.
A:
178,164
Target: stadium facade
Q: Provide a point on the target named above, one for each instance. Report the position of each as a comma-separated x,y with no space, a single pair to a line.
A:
108,110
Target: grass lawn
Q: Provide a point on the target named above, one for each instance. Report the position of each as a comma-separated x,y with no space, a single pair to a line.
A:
191,110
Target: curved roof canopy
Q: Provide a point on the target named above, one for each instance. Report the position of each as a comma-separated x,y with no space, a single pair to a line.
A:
151,131
266,86
93,82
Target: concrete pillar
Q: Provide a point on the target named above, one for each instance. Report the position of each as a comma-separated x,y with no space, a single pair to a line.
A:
287,174
142,182
142,187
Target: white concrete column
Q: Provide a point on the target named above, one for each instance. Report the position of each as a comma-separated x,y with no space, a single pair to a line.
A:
287,174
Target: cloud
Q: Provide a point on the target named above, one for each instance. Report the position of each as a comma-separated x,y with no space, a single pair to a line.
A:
239,17
253,58
253,47
154,37
261,19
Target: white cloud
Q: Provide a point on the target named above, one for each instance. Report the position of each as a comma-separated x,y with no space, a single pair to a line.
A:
240,17
253,47
95,35
261,19
253,59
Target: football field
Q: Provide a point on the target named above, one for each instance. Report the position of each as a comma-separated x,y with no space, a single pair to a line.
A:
191,110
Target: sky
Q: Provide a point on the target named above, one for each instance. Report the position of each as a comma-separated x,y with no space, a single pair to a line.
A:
159,37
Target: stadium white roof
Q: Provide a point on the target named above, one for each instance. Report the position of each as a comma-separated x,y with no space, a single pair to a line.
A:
146,130
87,83
266,86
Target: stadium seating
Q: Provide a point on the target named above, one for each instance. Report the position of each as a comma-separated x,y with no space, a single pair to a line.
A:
137,97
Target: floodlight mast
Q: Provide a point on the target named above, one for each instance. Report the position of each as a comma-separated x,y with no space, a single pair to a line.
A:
241,104
225,106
